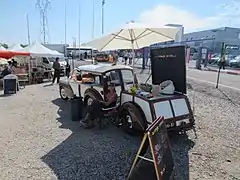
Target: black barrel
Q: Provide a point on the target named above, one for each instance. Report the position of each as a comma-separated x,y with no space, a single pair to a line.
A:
76,109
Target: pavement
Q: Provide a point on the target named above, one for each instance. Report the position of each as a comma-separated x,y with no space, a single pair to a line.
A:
227,80
192,65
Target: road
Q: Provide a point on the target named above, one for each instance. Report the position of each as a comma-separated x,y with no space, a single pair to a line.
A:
225,80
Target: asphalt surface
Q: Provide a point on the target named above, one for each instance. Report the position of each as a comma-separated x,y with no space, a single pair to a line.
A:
225,80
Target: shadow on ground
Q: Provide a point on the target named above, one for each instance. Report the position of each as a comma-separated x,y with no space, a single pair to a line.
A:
103,154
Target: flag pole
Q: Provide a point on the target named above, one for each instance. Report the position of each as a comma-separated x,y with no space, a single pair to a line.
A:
28,31
65,28
79,29
103,3
93,20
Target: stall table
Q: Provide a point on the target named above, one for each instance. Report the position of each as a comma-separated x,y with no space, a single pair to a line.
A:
23,78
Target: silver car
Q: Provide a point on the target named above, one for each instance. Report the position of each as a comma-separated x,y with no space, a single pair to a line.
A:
235,62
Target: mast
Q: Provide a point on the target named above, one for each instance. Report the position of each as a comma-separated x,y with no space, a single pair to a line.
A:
79,28
28,31
93,20
103,3
65,29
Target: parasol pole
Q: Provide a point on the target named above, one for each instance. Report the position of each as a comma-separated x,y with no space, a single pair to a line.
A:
133,55
132,43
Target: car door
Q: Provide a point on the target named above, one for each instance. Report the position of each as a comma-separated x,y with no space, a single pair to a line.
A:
73,81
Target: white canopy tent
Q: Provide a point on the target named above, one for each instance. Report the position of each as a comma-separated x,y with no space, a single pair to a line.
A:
16,47
57,54
2,48
38,50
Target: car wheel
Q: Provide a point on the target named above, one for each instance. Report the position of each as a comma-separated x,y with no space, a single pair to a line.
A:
90,95
89,101
132,120
63,94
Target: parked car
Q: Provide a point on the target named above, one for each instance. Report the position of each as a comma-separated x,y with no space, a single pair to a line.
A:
134,111
216,58
235,62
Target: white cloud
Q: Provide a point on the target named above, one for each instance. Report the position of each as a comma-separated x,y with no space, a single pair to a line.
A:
166,14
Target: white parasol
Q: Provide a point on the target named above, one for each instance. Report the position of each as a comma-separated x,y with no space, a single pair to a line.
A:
134,36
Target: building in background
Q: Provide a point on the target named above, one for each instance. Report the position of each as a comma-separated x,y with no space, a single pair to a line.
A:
62,48
211,39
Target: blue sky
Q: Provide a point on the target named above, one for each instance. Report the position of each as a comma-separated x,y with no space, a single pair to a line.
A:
14,29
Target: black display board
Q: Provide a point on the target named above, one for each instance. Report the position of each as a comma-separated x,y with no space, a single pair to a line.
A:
10,86
169,64
156,138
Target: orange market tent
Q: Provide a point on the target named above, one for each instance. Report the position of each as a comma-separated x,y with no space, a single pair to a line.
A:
10,54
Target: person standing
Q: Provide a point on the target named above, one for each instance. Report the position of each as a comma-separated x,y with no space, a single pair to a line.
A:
130,55
222,62
125,57
68,69
57,70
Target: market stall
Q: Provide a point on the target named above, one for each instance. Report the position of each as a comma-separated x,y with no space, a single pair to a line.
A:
39,63
21,58
10,54
16,47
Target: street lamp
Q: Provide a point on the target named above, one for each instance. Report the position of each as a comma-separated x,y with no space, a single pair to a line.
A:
103,3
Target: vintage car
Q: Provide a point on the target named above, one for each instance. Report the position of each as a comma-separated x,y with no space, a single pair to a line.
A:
135,111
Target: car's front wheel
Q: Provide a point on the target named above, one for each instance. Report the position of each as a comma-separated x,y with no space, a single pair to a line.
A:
132,119
62,93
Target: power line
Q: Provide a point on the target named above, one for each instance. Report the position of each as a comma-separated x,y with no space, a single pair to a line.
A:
43,7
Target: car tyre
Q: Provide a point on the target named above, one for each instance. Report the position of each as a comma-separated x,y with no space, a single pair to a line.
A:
62,93
132,119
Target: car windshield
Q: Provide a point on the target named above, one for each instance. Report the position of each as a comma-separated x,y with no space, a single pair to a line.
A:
127,76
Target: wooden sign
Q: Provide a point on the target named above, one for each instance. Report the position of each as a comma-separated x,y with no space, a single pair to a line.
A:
156,138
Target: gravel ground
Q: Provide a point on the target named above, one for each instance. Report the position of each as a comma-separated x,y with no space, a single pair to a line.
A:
39,141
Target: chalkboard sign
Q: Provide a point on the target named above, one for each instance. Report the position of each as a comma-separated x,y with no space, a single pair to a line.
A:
159,143
156,138
169,64
10,86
